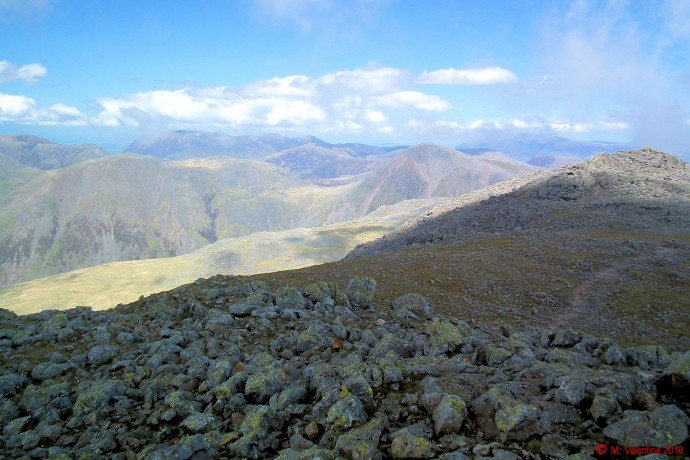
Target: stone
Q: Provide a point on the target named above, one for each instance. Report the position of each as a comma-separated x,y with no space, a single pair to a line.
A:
10,383
408,445
269,381
97,395
290,298
199,422
45,371
449,415
346,413
360,291
101,354
361,442
566,338
665,426
415,303
604,406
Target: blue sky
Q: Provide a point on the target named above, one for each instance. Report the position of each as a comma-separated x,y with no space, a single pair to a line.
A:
377,71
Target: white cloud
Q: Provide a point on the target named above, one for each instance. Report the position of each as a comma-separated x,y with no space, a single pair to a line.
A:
451,76
23,110
365,80
30,73
506,128
374,116
416,99
355,100
600,58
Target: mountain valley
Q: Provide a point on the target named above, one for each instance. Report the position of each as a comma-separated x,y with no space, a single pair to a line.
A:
131,207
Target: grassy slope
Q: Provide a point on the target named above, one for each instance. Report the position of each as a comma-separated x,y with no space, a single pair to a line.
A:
121,282
13,175
132,207
632,286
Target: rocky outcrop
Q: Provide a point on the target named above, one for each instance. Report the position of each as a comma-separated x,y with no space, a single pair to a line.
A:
216,370
645,190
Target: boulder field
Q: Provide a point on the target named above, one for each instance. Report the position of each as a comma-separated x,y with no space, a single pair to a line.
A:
221,370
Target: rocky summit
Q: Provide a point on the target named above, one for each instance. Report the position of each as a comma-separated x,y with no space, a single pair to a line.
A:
217,369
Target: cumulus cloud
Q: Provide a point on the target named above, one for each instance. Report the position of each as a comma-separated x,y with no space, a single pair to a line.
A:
411,99
537,125
24,110
598,58
354,100
30,73
451,76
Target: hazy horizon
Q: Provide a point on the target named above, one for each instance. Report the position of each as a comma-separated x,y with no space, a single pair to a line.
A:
381,72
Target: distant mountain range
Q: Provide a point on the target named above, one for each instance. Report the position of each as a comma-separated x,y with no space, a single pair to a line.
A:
542,150
128,207
177,145
601,246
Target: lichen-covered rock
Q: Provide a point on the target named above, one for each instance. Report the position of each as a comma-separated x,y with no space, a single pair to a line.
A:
101,354
444,337
97,395
409,445
346,413
416,303
314,335
269,381
200,422
604,406
361,442
10,383
676,377
666,426
290,297
360,291
449,415
313,453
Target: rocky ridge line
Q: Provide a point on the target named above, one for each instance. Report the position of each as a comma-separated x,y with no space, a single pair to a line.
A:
215,369
634,189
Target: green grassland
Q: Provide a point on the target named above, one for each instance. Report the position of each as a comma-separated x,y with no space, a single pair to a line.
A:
107,285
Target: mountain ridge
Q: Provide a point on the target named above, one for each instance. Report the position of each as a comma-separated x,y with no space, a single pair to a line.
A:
618,174
37,152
